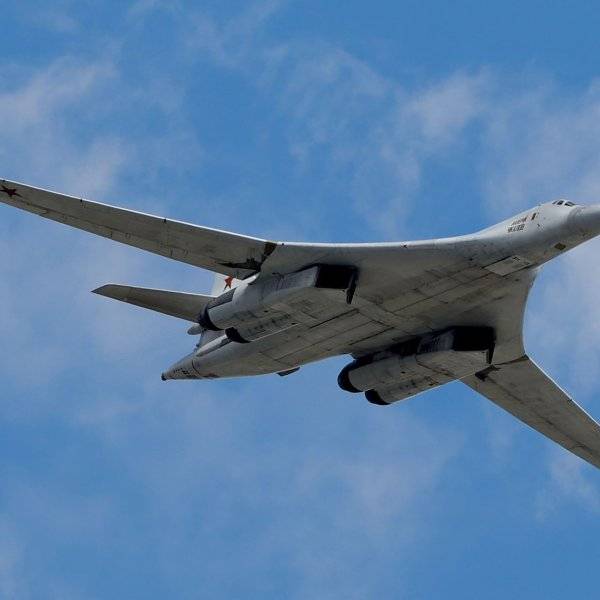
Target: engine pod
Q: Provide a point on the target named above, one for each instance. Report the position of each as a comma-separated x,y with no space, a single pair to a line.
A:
421,363
263,306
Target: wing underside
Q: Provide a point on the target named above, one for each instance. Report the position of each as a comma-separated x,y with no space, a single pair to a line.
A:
212,249
524,390
231,254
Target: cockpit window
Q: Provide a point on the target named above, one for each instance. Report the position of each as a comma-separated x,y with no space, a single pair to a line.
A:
559,202
569,203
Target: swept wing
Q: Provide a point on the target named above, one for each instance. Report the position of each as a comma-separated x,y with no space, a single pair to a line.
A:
212,249
231,254
524,390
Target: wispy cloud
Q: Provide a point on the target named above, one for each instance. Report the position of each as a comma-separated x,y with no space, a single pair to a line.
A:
236,41
568,484
37,133
318,508
543,144
367,131
42,145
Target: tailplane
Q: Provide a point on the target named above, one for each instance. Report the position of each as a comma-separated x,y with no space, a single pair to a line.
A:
176,304
182,305
223,283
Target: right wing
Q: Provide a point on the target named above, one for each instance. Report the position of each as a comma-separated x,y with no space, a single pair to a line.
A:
176,304
212,249
524,390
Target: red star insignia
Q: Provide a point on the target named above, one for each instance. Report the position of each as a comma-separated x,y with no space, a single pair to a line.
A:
11,192
228,282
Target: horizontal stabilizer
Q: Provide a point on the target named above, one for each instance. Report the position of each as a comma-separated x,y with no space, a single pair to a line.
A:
524,390
176,304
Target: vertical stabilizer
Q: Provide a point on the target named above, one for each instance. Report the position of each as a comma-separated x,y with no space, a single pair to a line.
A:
223,283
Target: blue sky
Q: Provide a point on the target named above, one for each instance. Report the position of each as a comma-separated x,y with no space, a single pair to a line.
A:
297,121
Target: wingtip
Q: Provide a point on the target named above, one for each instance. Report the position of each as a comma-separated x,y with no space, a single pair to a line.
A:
102,290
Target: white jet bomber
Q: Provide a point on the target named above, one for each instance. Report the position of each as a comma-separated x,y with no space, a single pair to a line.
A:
413,315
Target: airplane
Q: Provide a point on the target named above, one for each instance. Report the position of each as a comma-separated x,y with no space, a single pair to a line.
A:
412,315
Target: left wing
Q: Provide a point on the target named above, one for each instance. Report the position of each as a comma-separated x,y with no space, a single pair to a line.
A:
524,390
232,254
212,249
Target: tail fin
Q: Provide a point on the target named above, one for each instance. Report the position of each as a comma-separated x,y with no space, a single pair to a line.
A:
222,283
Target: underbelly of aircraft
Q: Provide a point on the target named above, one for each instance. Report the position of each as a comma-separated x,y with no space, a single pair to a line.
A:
365,326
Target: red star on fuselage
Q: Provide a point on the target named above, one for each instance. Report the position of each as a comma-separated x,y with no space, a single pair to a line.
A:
228,282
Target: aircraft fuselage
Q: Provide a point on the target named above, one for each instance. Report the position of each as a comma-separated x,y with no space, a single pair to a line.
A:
474,274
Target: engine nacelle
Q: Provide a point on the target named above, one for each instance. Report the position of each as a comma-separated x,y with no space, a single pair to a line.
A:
262,306
419,363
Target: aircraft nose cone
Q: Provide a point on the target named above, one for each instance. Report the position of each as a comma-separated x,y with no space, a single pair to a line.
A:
585,220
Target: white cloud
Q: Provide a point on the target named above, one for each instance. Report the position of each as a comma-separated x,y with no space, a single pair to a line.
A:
38,143
543,144
318,507
41,145
61,84
357,498
567,484
233,43
441,111
376,136
366,131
